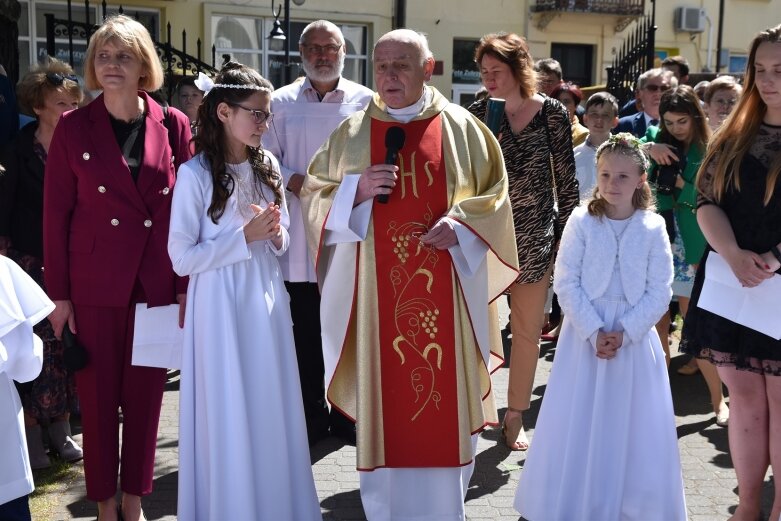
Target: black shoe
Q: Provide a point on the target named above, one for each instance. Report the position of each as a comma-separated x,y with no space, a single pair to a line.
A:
316,436
342,427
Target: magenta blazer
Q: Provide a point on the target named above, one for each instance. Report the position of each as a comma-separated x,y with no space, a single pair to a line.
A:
102,231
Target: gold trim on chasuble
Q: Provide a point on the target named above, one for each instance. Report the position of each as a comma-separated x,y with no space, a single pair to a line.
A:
476,193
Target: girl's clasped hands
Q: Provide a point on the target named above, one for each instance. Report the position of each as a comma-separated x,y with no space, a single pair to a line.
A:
265,225
608,343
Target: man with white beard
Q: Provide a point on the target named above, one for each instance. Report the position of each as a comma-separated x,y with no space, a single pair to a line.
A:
305,114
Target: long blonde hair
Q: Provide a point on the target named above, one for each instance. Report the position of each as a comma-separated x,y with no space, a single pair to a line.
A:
734,138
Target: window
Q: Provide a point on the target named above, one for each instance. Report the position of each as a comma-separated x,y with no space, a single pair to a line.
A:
737,63
576,62
245,40
32,31
464,67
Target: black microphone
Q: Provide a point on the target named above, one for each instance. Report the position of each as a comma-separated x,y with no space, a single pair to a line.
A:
394,141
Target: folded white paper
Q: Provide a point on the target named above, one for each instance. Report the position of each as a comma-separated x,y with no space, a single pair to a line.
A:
758,308
157,338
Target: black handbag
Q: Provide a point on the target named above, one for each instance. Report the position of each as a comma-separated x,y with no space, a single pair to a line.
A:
74,355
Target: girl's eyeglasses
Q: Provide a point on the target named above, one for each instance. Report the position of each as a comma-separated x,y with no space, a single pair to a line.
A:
258,115
57,79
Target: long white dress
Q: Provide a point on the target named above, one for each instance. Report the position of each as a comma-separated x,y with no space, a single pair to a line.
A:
243,452
22,305
605,445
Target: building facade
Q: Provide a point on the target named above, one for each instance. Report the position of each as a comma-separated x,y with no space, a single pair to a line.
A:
584,35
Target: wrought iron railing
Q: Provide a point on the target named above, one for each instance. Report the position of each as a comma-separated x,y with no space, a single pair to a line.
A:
617,7
176,62
634,57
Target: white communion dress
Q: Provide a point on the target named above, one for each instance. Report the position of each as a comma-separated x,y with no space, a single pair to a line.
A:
605,446
243,452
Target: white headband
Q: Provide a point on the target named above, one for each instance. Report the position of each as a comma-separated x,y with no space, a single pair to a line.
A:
205,84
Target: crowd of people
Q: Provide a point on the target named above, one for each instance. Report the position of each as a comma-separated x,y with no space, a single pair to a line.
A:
334,257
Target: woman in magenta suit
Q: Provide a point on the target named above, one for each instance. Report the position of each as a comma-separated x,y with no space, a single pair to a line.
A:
107,201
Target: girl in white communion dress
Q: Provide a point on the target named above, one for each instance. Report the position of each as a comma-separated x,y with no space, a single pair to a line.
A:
605,446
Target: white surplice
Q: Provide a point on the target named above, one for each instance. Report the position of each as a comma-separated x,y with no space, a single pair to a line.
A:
243,451
22,305
300,126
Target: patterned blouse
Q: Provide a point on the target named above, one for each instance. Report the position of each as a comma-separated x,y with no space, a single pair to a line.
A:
526,157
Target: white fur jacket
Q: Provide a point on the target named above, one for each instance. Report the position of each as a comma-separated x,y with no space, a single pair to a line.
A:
584,267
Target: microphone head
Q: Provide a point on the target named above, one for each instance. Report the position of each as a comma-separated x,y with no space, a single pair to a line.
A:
394,138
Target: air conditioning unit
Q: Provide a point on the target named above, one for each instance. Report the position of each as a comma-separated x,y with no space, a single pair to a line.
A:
690,19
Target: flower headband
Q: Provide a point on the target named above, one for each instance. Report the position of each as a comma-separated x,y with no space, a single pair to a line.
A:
625,141
206,84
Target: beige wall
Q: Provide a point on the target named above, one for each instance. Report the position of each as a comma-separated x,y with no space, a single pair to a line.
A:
444,20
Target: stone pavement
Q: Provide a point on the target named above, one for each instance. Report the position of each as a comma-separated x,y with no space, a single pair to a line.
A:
709,478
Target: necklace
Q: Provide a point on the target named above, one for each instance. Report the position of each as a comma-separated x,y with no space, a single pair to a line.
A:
613,224
247,191
517,109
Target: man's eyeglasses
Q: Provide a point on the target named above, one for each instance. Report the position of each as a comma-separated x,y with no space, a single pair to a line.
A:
258,115
655,88
330,49
57,79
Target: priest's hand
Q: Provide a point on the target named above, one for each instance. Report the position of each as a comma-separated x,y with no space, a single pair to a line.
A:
375,180
441,236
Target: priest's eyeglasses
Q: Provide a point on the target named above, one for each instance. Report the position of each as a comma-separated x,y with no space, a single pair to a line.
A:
330,49
258,115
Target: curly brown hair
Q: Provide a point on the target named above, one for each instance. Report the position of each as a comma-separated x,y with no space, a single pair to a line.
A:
211,138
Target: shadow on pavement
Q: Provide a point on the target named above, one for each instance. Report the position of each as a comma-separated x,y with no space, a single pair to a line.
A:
344,506
324,447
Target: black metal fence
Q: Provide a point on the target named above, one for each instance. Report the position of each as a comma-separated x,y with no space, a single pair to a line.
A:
634,57
176,62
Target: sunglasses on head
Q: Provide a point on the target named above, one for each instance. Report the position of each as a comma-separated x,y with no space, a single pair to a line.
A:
55,78
654,88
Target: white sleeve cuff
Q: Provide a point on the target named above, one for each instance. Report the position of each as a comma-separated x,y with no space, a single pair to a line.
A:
469,254
347,223
593,340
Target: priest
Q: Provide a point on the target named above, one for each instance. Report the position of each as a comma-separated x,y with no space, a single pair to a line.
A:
411,230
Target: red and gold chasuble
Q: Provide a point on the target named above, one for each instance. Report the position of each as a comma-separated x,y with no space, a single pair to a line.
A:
415,303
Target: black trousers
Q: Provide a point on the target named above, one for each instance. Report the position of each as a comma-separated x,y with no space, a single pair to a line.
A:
305,311
15,510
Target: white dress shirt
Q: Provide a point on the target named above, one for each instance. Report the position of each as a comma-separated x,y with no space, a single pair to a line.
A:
302,122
